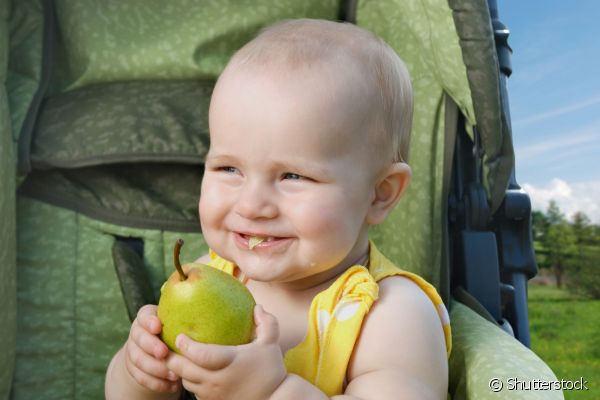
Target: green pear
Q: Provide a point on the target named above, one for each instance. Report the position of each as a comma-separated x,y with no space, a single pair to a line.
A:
208,305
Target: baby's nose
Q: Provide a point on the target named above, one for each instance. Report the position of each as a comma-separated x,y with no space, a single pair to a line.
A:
256,201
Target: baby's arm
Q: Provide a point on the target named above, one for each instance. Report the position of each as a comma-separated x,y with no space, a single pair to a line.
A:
402,350
401,353
138,370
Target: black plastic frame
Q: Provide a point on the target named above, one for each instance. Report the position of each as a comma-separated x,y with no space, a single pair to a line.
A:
492,255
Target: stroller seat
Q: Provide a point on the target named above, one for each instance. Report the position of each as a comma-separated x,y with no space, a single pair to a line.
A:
102,146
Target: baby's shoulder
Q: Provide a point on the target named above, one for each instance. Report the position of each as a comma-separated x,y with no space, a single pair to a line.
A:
401,332
402,300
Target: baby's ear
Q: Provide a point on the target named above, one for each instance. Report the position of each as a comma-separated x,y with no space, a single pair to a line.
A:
388,190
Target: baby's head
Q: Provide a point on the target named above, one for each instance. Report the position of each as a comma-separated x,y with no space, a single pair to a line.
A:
341,59
310,126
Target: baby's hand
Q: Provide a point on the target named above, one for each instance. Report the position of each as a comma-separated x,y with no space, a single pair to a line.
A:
146,354
251,371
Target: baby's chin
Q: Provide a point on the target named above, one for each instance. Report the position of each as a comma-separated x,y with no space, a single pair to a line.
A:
263,268
261,271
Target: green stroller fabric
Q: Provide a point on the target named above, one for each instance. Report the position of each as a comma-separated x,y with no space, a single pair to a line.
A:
477,364
8,257
72,317
99,164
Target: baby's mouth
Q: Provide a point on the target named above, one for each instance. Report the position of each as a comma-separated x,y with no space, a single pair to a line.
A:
254,241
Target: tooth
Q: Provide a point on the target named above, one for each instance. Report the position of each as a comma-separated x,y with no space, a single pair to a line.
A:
255,241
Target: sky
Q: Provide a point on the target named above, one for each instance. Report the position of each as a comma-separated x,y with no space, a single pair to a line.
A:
554,94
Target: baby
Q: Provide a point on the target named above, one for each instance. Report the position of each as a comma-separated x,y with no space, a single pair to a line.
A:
309,128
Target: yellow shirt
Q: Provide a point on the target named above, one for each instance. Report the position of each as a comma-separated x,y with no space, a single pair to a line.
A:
335,319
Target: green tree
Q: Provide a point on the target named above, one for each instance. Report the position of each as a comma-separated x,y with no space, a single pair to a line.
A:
584,275
539,225
594,231
553,214
584,267
559,241
581,225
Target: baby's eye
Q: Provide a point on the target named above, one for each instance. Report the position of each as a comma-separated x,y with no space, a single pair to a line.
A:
292,176
228,169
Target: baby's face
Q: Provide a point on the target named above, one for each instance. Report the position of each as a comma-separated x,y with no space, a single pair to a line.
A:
288,166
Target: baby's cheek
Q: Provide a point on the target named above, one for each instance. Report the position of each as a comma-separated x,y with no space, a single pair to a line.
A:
328,239
203,207
325,223
212,212
212,200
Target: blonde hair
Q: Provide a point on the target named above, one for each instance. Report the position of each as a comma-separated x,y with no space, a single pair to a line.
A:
307,42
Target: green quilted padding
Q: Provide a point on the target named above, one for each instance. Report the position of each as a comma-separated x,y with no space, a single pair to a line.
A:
140,195
153,39
25,61
482,352
158,251
155,121
411,235
8,221
452,43
423,34
479,53
71,315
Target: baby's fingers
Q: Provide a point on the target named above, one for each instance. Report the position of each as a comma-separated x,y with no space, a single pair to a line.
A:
148,342
152,383
148,320
148,371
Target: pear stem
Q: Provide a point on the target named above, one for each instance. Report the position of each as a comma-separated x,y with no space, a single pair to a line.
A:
178,244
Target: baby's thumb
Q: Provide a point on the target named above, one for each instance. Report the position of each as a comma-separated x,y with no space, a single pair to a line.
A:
267,326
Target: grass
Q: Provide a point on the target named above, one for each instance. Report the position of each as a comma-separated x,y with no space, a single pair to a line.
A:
565,333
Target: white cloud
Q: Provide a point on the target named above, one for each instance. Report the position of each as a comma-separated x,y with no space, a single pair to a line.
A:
570,197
